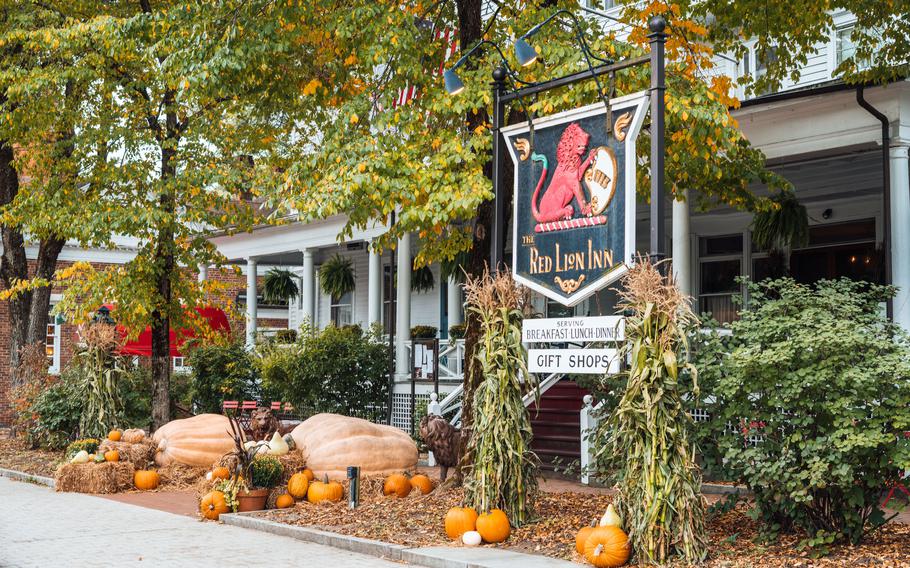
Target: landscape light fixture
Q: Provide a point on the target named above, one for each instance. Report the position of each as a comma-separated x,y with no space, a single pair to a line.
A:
453,82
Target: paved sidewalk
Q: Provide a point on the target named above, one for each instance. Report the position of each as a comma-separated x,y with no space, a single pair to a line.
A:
41,528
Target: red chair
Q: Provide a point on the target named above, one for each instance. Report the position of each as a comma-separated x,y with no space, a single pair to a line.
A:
276,406
229,405
249,405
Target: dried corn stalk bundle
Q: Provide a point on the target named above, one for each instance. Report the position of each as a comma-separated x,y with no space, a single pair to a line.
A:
647,434
504,470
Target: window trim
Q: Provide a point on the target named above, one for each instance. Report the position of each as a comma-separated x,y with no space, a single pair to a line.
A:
54,368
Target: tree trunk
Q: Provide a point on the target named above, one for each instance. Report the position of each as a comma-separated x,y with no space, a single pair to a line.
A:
470,29
165,264
13,263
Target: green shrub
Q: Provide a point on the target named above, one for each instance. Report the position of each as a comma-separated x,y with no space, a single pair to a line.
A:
57,411
340,370
266,471
90,445
221,372
807,403
286,335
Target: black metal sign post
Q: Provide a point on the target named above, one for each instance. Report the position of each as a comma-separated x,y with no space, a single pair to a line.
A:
501,98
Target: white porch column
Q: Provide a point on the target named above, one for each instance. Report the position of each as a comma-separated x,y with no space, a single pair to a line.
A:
374,284
900,232
682,261
203,274
453,297
308,288
251,304
403,305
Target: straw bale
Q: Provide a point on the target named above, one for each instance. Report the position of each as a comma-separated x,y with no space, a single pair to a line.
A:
106,477
177,475
139,454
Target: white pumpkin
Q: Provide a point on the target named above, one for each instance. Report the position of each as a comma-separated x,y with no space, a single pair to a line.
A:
610,518
277,445
80,457
471,538
249,444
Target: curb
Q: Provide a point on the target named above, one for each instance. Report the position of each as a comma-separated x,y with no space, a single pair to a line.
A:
27,477
430,557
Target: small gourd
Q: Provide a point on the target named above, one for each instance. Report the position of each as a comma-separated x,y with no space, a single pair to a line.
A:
460,520
114,435
289,440
494,526
471,538
146,479
277,445
298,485
284,501
133,435
97,458
610,518
607,547
80,457
112,456
213,505
397,484
422,483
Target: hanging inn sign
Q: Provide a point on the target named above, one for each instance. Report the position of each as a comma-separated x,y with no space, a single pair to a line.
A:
574,201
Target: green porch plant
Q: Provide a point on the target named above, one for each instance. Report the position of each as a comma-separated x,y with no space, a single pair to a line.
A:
279,286
336,276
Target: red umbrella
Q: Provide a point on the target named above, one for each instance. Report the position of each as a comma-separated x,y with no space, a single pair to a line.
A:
215,318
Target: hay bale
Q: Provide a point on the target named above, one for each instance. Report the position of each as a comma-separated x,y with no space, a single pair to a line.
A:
139,454
179,476
106,477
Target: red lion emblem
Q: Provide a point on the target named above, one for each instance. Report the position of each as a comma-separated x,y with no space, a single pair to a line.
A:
566,182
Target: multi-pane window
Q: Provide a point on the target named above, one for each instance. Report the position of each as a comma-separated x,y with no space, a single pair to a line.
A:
844,47
720,264
342,309
600,4
52,344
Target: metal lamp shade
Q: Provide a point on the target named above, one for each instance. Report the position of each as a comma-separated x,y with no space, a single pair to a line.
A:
525,52
453,82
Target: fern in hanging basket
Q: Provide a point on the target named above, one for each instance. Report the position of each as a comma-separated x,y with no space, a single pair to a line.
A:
422,279
279,286
336,276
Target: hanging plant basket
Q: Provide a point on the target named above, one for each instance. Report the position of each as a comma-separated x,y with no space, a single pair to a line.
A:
279,286
336,276
422,279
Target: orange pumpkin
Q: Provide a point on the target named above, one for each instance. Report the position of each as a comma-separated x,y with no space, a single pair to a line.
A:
320,491
460,520
112,456
397,484
422,483
284,501
493,526
607,547
213,505
221,472
310,476
581,537
114,435
146,479
298,485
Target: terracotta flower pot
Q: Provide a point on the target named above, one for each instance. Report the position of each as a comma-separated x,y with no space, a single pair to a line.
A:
253,500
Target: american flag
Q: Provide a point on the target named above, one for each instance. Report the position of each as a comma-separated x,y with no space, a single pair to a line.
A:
449,37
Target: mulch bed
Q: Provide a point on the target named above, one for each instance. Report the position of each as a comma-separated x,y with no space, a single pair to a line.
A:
417,520
14,454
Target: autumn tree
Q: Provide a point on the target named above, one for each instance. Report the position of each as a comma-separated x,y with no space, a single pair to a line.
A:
39,199
165,135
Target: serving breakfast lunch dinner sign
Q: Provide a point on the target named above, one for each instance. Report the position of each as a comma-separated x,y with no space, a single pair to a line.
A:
574,198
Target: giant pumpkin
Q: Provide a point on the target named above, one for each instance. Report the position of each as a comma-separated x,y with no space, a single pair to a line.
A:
331,442
197,441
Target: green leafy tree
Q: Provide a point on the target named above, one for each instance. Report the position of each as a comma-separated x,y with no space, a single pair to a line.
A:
170,120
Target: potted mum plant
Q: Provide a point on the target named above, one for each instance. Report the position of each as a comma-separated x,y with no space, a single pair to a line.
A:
252,477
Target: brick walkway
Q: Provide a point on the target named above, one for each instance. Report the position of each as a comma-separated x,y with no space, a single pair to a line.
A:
41,528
